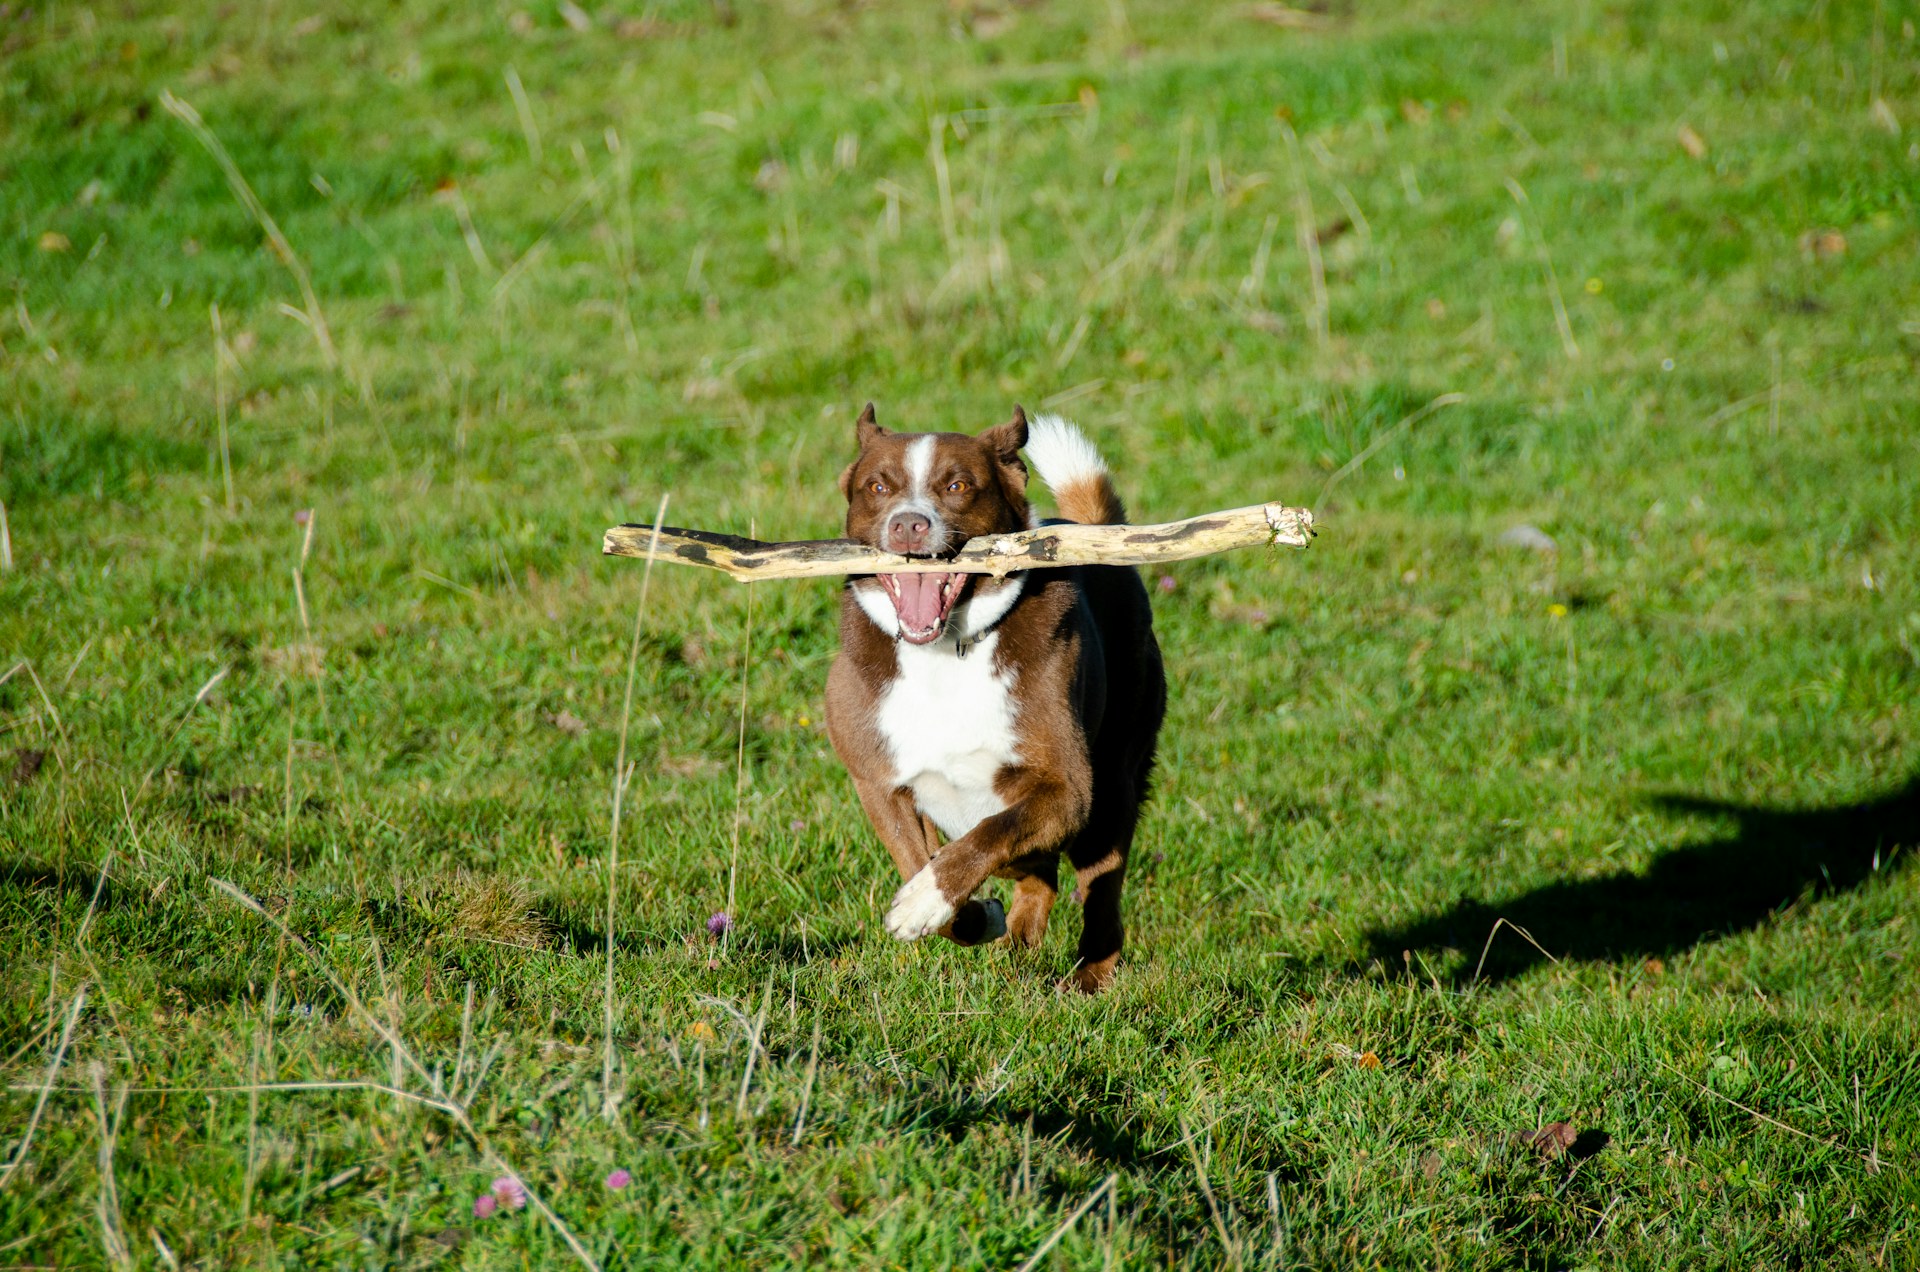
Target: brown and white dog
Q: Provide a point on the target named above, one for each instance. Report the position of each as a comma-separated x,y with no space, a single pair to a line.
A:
1014,718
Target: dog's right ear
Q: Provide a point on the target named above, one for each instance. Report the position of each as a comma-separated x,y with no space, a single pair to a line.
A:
865,429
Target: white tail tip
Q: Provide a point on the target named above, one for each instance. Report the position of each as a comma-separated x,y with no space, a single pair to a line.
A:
1061,453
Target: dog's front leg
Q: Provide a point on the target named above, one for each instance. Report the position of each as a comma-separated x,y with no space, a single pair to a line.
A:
912,841
1048,812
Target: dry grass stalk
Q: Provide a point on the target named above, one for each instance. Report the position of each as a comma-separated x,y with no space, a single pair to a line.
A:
1372,448
1227,1242
46,700
739,760
262,1048
753,1046
1309,241
113,1231
806,1090
1104,1188
440,1099
93,902
200,696
19,1158
316,321
311,520
524,109
1495,931
1872,1158
622,775
1279,1229
223,361
1565,325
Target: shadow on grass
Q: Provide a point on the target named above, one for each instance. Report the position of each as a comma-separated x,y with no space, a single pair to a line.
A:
583,939
1688,895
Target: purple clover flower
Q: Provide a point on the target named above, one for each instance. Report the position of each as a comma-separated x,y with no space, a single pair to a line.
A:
510,1192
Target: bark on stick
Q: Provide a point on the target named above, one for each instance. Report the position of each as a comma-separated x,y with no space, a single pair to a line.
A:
750,560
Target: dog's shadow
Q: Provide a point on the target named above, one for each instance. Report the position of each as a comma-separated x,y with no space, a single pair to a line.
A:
1775,857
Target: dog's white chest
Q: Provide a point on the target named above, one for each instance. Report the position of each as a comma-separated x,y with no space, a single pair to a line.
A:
949,723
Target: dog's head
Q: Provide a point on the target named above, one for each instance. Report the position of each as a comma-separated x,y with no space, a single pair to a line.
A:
926,494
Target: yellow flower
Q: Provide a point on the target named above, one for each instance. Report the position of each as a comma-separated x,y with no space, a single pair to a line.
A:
1595,287
1557,610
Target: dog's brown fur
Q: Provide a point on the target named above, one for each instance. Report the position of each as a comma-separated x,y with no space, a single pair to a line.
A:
1086,675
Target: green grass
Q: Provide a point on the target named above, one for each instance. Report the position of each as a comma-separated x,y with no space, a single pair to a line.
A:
1680,752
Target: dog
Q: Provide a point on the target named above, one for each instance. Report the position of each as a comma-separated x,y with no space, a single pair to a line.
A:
1015,719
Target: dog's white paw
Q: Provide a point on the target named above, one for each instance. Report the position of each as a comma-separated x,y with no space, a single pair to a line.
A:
919,907
996,920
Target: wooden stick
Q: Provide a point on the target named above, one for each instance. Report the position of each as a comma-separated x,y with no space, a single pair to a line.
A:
750,560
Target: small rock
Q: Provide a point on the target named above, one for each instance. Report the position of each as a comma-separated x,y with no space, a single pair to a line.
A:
1530,537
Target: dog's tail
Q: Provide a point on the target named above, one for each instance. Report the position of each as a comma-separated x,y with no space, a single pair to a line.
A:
1074,472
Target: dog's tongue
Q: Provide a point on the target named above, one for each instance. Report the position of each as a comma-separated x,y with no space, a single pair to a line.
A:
918,601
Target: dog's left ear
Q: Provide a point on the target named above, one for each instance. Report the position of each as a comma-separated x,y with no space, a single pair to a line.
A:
1003,442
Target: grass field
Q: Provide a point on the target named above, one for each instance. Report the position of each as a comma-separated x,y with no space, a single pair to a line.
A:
303,483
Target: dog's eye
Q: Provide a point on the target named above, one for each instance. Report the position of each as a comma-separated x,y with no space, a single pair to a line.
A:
877,487
957,485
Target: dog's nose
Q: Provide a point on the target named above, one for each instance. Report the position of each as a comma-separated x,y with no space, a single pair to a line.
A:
907,532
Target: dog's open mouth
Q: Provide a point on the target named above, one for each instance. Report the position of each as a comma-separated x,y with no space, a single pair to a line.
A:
922,602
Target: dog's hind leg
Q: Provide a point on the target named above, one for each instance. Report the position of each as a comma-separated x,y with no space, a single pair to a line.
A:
911,841
1099,856
1036,884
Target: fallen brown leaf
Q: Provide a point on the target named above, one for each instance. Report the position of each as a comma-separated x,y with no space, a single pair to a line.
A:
26,765
1550,1140
1691,142
301,658
1283,16
1821,244
1333,229
689,766
567,722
